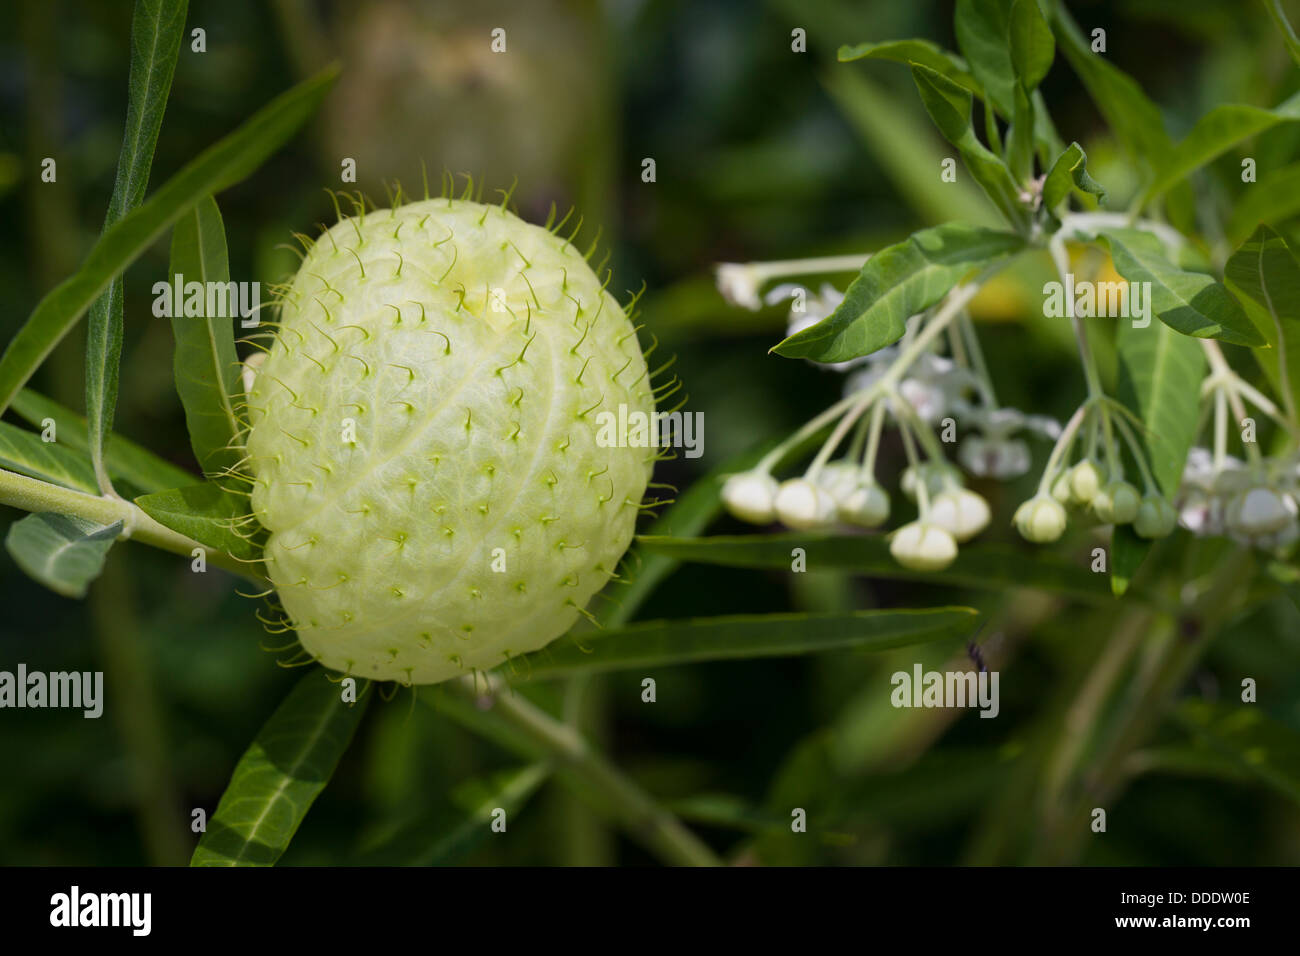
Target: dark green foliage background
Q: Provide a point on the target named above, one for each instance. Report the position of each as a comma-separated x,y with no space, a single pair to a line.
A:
756,159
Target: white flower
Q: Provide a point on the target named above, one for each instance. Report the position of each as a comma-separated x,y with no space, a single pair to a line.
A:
751,496
926,398
923,546
802,505
739,284
1001,458
1260,511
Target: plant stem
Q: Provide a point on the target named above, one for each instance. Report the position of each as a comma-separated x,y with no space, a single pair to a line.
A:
36,496
645,820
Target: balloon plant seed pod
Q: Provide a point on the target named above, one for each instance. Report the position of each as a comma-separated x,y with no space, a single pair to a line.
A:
425,442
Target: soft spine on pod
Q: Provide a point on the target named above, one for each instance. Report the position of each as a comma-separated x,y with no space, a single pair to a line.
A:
423,441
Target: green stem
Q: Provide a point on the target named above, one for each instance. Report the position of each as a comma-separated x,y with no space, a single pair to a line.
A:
36,496
645,820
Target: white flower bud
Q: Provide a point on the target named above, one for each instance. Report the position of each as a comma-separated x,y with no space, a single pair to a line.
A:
1086,479
802,505
866,505
1260,510
1156,518
1061,489
938,477
839,478
962,513
1041,519
923,546
738,284
1116,503
751,496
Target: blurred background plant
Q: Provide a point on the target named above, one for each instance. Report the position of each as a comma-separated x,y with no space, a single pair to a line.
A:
761,154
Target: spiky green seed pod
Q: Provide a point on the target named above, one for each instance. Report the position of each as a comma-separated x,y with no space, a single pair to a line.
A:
428,441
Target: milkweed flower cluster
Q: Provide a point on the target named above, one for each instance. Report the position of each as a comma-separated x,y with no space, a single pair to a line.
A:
913,387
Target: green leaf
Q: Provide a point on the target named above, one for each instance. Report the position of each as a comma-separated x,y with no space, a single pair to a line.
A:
280,775
421,844
1031,43
982,566
205,363
1135,120
983,30
217,168
1070,169
1020,139
1127,552
949,105
1274,199
126,460
1159,379
916,51
1214,134
1263,747
61,552
896,283
739,637
1264,276
156,30
25,452
210,514
1190,302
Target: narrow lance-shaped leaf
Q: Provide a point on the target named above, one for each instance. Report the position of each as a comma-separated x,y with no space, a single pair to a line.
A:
205,363
126,461
220,166
1159,380
895,284
1214,134
1274,199
210,514
981,566
438,843
1128,111
62,552
1189,302
1030,42
1289,39
667,643
1127,553
915,51
281,774
25,452
949,105
156,30
1070,169
1265,277
983,30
